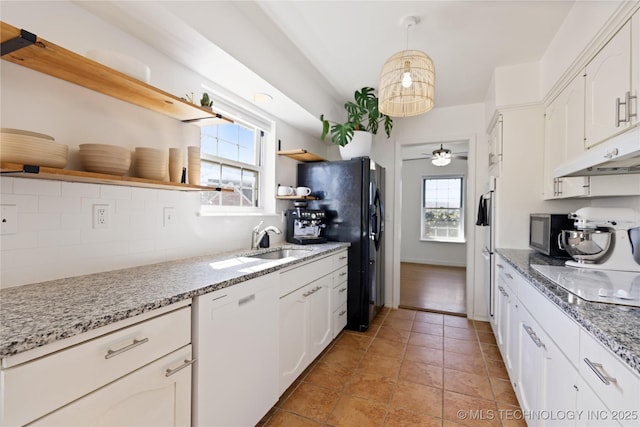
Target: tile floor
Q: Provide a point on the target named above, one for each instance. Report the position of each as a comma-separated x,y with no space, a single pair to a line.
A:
411,368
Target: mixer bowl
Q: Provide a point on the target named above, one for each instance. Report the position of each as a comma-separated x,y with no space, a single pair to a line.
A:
586,245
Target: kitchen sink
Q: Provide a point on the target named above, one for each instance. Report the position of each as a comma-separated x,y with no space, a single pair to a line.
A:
279,254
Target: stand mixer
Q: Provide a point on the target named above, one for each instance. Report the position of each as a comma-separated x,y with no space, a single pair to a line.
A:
604,239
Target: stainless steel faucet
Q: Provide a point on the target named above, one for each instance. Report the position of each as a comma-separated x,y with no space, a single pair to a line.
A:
257,235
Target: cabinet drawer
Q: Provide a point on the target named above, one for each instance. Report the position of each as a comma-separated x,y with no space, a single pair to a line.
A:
340,275
38,387
599,366
339,295
507,276
297,277
339,319
340,259
558,326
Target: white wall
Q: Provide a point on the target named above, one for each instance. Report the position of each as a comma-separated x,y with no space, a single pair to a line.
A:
416,250
55,238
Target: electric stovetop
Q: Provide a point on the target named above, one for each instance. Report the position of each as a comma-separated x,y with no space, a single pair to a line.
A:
608,286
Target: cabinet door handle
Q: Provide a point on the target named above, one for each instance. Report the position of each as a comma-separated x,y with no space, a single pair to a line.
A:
342,313
134,344
618,119
343,274
629,115
312,291
503,292
343,257
534,337
500,266
342,290
186,363
246,300
595,367
509,276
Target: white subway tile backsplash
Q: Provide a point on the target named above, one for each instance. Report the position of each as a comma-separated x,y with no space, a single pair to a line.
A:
59,204
75,220
36,186
79,189
138,193
115,192
25,203
22,240
55,238
6,186
37,221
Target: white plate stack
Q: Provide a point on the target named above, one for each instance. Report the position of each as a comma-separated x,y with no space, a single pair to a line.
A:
151,163
31,148
104,158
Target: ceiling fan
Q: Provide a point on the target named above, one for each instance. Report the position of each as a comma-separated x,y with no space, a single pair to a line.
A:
442,156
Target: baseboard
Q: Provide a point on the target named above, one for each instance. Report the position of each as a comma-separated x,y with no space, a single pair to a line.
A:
434,262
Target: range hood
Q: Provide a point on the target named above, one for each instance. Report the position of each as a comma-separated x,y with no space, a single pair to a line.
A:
619,155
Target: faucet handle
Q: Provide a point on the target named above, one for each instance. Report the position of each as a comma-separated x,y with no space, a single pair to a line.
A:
257,227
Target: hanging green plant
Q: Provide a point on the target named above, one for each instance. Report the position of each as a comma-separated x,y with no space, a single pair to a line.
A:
363,114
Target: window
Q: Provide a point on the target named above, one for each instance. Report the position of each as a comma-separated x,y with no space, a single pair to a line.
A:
230,156
442,209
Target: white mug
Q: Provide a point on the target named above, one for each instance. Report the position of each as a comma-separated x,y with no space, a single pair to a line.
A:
285,190
303,191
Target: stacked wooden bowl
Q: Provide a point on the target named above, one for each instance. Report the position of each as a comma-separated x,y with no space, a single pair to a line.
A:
31,148
151,163
105,158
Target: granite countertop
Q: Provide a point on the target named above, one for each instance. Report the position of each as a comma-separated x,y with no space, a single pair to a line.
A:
616,326
42,313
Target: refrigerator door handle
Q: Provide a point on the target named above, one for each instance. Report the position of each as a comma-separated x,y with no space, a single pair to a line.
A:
377,220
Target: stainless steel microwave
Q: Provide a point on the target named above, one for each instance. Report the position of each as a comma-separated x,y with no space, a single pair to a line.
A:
544,230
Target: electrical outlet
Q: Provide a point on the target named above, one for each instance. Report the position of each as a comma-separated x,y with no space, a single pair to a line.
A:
100,216
168,216
8,219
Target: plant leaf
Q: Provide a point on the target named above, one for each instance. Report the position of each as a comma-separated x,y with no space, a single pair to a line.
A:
325,127
341,134
388,124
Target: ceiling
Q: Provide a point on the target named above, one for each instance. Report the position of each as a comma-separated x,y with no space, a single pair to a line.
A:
312,55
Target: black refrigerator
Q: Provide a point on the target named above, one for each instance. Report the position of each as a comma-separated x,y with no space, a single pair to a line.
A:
352,194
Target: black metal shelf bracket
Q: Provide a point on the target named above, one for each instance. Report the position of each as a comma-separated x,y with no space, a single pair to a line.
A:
25,39
25,169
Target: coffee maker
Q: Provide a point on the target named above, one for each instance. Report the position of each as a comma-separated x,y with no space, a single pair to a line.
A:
304,225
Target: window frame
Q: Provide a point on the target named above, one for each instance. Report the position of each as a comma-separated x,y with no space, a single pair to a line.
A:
461,227
264,130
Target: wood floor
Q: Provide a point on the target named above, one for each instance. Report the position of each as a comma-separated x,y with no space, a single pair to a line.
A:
433,288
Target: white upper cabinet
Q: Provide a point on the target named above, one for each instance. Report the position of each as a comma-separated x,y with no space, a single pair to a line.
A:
564,138
610,103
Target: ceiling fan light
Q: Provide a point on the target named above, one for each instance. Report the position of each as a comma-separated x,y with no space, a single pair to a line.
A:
395,99
441,161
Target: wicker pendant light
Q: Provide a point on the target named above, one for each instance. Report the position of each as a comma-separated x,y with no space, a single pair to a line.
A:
407,81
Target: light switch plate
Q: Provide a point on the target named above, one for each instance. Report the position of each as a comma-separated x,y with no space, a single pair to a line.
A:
168,216
8,219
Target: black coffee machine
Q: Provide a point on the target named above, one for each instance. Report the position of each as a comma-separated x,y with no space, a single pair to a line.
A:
304,226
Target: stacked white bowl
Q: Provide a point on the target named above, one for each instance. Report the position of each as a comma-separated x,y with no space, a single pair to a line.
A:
105,158
151,163
31,148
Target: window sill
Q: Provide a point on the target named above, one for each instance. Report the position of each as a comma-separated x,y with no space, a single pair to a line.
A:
221,211
444,240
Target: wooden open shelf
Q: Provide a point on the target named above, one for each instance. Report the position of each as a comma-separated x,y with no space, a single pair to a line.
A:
48,58
302,155
17,170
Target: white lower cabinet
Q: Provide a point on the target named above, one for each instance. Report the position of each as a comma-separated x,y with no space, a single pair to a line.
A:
115,378
155,395
561,374
312,312
545,384
235,344
305,328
